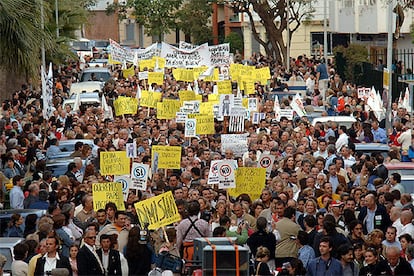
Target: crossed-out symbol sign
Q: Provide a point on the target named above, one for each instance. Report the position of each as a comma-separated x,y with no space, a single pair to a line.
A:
124,184
225,170
190,125
265,162
139,172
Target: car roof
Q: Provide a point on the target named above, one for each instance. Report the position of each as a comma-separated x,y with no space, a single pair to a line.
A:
90,95
400,166
96,69
371,147
86,86
9,242
339,119
74,141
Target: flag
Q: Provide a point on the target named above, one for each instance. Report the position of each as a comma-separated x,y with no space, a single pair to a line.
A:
208,73
77,104
47,92
297,106
106,109
139,94
406,100
196,88
400,100
276,108
189,87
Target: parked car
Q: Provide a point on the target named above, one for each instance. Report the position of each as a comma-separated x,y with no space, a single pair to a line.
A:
340,120
6,249
5,216
88,99
95,74
68,147
369,148
86,87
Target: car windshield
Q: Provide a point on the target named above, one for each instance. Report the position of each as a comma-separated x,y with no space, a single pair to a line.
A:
95,76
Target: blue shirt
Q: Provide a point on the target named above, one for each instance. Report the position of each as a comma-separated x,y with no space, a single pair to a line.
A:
379,135
16,198
319,267
306,254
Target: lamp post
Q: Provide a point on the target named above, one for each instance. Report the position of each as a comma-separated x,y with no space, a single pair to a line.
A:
389,63
325,31
288,37
57,18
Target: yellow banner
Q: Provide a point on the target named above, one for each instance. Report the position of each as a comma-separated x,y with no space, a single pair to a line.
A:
146,64
111,61
205,123
249,88
262,75
249,180
213,97
166,157
150,99
235,70
245,103
103,193
158,211
114,163
129,72
160,60
125,105
186,95
167,109
207,107
156,77
224,87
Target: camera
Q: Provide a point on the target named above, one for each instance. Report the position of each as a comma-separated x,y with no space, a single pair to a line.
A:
144,235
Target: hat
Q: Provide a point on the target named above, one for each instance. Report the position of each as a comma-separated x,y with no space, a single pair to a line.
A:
336,203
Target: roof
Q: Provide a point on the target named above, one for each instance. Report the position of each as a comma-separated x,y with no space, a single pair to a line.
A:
324,119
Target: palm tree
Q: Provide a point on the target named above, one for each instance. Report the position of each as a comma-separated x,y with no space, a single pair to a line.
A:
21,36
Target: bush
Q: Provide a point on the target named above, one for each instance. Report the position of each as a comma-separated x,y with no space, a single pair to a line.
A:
236,42
349,61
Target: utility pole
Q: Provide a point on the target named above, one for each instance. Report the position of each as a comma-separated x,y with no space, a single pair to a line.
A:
288,37
389,63
42,24
57,18
325,31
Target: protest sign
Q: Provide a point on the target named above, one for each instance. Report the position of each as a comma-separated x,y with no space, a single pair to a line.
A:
147,53
103,193
114,163
297,105
156,77
226,173
125,180
213,177
235,142
204,123
266,162
207,107
288,113
143,75
262,75
224,87
127,73
146,65
119,53
166,157
186,95
125,105
252,104
175,57
139,176
257,117
226,103
190,128
249,87
220,54
236,120
167,109
158,211
191,107
150,99
249,180
180,117
186,46
131,149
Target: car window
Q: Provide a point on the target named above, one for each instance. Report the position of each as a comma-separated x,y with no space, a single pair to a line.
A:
8,254
99,76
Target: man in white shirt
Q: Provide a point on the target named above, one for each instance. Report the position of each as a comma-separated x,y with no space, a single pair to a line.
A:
52,260
16,193
408,227
342,139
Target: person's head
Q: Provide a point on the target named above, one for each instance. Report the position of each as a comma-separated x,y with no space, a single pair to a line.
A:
219,231
346,253
238,209
371,255
302,238
262,254
409,252
325,246
193,208
73,251
391,234
105,241
393,255
370,201
110,209
16,220
20,251
101,216
89,237
405,240
18,180
120,217
52,244
355,227
289,213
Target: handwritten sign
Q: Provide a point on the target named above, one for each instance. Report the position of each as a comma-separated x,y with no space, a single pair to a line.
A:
158,211
103,193
167,109
114,163
156,77
125,105
166,157
249,180
205,123
235,142
139,176
150,99
224,87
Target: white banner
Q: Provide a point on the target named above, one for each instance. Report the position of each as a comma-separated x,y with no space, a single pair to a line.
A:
186,46
147,53
175,57
119,53
235,142
125,180
220,54
47,92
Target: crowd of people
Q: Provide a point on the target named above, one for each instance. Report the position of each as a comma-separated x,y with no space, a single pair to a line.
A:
326,209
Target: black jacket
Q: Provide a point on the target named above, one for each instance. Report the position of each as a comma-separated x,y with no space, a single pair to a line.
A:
262,238
403,268
87,263
114,264
381,218
63,262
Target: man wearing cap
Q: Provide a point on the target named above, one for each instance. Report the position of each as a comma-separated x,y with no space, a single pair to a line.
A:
336,211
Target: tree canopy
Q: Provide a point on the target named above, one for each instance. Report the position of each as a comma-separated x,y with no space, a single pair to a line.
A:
274,16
